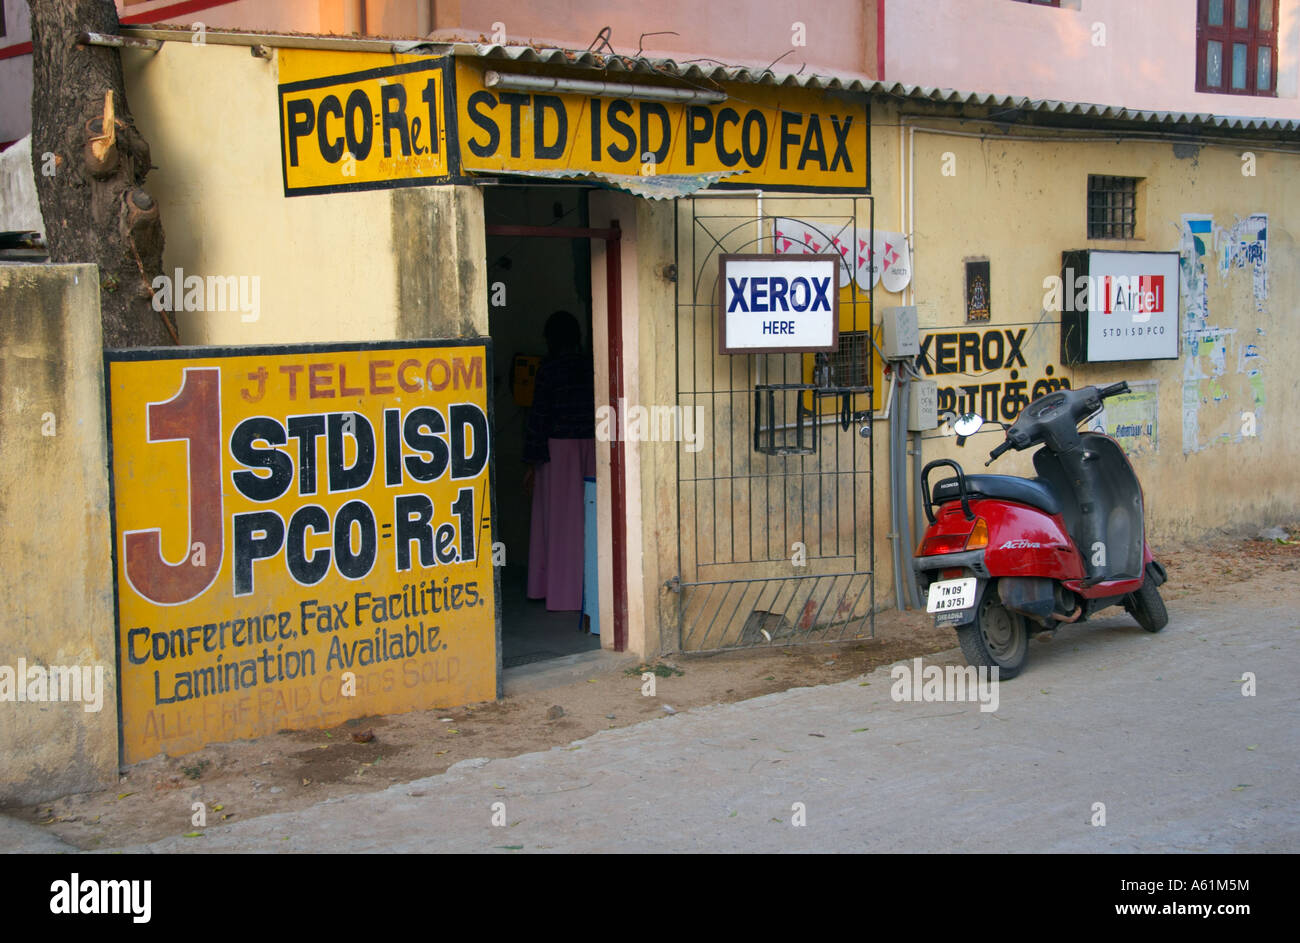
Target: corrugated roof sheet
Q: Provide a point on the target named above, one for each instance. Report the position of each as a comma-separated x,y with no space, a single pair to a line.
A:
649,186
709,73
712,75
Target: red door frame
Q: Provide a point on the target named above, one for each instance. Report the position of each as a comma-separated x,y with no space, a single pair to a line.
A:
618,497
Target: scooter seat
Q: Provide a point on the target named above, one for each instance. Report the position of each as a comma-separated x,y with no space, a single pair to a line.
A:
1036,492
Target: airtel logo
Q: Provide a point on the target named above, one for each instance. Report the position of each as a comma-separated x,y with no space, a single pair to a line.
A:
1134,294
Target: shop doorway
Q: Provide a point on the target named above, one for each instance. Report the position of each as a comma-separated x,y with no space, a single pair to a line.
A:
536,267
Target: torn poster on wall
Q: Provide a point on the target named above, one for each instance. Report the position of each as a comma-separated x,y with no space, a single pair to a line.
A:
1132,418
1245,245
1223,388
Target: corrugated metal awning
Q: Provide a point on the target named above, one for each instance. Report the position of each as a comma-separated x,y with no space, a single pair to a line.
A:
707,73
649,186
979,104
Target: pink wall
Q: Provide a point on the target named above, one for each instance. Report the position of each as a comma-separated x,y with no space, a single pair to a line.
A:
835,36
1148,60
839,33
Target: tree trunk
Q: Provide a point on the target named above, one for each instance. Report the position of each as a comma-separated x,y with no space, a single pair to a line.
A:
91,192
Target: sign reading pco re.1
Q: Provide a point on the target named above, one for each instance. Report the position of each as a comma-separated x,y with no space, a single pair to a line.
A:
778,303
365,130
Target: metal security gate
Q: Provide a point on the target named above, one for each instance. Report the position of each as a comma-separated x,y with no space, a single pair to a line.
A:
775,506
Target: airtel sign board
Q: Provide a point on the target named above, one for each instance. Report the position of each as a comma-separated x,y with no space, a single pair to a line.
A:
778,303
1118,306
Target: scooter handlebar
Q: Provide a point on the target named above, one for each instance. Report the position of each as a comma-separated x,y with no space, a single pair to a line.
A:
1114,389
997,451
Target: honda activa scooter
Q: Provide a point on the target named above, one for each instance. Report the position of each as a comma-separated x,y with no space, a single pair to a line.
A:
1006,557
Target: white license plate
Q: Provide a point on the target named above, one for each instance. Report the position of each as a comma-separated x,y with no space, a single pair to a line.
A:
949,595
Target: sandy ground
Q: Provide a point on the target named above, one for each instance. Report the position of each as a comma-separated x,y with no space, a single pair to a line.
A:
293,770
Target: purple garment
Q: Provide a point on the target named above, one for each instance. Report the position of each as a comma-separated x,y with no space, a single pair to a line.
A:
564,404
555,545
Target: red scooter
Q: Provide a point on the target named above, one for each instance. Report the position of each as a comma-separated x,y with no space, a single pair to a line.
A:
1006,557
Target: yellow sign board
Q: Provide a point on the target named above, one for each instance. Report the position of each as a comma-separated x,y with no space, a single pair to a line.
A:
357,121
366,121
301,535
761,136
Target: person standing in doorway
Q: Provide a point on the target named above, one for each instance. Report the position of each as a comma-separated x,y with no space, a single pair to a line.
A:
560,449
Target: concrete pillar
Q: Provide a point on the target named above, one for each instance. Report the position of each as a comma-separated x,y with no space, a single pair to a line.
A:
55,539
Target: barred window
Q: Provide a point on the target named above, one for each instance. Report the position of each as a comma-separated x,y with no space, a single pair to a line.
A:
849,363
1112,207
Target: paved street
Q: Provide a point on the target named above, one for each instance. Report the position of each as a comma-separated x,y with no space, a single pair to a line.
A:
1154,726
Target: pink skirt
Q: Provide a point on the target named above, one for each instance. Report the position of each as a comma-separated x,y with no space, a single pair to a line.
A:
555,544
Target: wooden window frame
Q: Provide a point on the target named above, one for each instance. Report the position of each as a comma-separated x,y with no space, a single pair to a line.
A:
1227,35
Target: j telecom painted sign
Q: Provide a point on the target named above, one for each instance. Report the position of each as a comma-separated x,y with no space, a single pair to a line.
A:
302,535
357,121
778,303
1116,305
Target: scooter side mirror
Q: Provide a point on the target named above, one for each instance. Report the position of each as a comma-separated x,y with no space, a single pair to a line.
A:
967,425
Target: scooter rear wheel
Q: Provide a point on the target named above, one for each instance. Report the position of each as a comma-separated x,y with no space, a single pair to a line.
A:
998,638
1147,607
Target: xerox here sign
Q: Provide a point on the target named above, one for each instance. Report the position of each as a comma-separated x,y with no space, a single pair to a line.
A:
778,303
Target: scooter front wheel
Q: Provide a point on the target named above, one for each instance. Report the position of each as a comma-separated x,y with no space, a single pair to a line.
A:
1147,607
998,638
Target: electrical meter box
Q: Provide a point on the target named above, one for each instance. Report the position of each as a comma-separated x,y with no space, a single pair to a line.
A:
902,339
922,405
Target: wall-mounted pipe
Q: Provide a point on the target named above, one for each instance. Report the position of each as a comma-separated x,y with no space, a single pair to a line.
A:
122,42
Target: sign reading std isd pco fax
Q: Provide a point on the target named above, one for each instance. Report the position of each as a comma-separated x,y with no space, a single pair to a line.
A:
301,535
776,138
778,303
